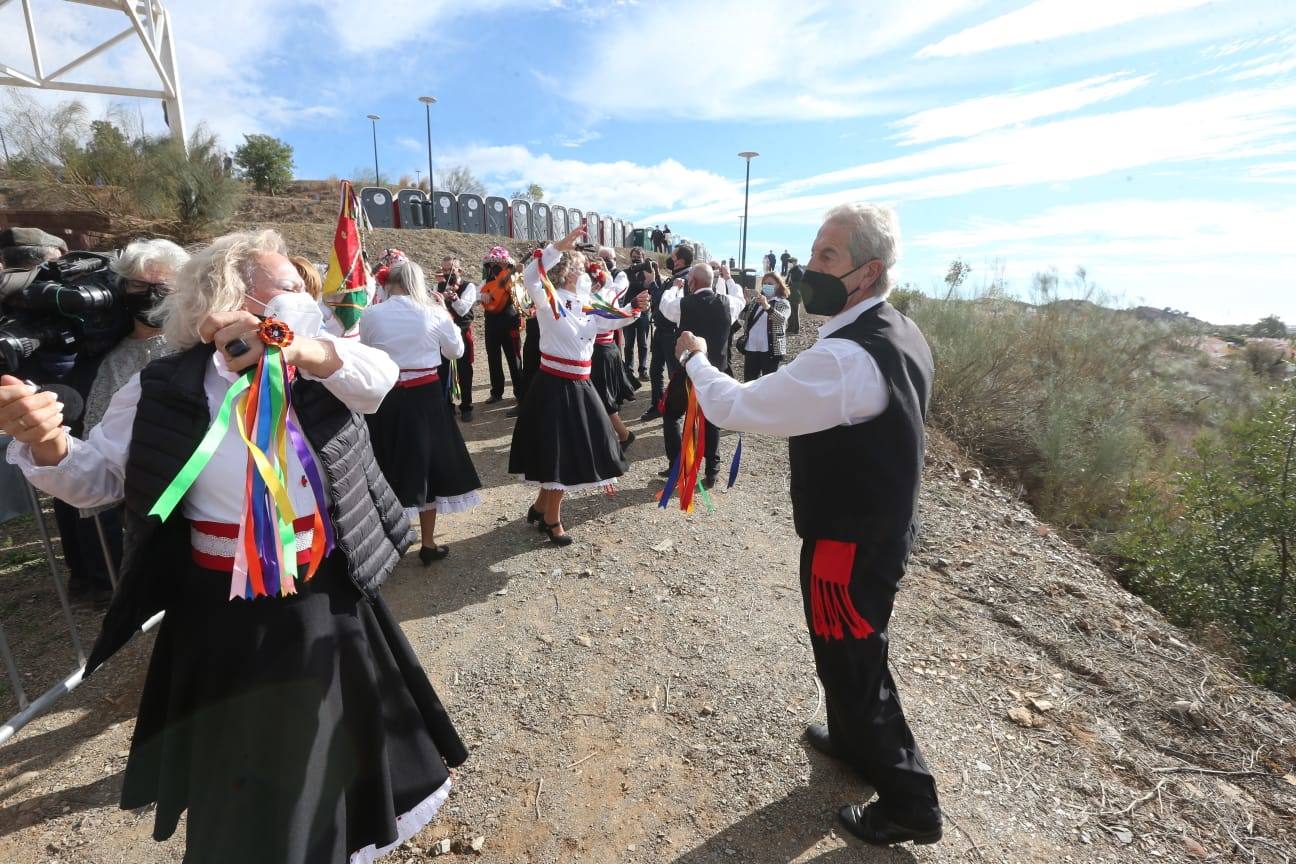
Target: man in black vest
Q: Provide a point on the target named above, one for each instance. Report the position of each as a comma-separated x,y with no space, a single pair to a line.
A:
460,296
663,336
710,315
853,408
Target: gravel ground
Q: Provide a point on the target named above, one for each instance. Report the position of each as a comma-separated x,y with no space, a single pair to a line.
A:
639,695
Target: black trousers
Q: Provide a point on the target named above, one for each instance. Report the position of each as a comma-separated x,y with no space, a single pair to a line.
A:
636,334
503,345
758,363
530,358
794,320
865,719
672,430
464,369
82,551
663,359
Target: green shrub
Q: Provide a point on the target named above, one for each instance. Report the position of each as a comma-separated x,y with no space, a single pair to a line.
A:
142,184
1216,543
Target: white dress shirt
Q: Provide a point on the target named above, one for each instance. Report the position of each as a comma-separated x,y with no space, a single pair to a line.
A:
835,382
467,297
569,337
415,337
93,472
672,297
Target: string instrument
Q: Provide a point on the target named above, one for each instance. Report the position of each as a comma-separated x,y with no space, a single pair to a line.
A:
497,293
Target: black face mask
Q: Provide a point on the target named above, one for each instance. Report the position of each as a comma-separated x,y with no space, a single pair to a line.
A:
823,293
142,305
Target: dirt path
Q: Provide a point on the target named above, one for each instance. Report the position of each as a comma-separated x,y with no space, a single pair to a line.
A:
639,696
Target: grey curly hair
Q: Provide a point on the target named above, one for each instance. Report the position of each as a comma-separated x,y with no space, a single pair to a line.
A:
214,280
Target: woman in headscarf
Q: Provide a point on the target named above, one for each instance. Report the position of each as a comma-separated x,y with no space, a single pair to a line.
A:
283,707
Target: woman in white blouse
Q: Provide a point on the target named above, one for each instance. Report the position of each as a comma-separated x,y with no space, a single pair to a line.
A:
418,444
563,439
283,708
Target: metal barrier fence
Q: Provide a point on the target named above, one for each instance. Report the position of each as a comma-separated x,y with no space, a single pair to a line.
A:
14,488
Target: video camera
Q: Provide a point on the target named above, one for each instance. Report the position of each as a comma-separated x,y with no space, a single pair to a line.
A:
68,306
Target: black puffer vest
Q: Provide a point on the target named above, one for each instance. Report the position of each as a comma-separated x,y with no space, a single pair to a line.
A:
370,526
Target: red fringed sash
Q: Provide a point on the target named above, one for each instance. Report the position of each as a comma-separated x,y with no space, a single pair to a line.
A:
831,611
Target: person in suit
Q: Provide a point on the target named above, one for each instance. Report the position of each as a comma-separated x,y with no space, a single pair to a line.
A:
696,306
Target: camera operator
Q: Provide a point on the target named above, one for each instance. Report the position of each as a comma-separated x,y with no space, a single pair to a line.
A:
26,248
643,277
459,299
663,337
146,272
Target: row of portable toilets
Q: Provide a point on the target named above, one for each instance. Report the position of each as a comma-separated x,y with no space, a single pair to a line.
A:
473,214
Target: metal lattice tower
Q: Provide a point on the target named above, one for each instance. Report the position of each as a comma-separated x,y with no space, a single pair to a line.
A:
147,20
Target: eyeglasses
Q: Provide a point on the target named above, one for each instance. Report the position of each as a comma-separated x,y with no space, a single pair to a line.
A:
139,286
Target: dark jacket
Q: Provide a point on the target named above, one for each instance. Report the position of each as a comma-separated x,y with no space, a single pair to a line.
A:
370,526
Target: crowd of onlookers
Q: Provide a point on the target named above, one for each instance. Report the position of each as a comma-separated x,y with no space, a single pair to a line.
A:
145,272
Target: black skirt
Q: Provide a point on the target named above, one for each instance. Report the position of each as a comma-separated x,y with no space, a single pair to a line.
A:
563,438
421,451
295,730
611,381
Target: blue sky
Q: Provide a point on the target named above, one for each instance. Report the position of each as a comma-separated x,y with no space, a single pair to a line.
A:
1152,142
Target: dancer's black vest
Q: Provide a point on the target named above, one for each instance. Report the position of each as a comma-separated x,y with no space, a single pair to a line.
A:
706,314
860,483
370,527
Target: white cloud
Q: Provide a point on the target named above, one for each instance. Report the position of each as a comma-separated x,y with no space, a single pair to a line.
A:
405,142
775,60
1235,125
622,188
1225,260
223,75
983,113
1044,20
584,136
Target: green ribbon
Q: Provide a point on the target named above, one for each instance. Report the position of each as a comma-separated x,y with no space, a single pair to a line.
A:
206,448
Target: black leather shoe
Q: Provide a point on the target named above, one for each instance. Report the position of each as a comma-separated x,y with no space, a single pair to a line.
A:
492,399
465,414
817,735
630,439
709,479
428,554
557,539
514,411
651,414
872,825
664,474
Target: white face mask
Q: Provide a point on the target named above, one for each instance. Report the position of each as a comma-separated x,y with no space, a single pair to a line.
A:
298,310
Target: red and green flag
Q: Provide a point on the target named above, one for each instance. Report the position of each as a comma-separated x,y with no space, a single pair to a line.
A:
345,284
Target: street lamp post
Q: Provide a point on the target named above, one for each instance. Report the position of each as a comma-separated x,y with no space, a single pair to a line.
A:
748,155
373,121
428,102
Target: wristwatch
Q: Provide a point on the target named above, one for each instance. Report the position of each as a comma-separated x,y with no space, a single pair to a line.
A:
686,356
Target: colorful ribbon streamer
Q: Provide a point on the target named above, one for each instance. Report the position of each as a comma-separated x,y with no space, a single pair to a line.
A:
551,294
265,559
687,465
